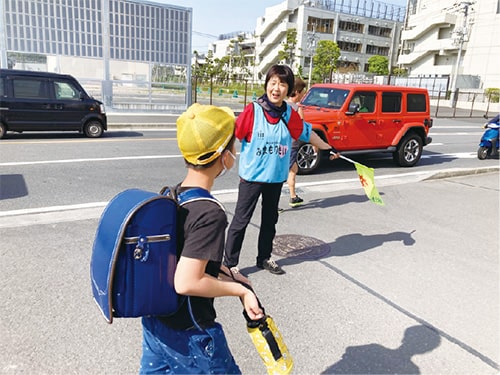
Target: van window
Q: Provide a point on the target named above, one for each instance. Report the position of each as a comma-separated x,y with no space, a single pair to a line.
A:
66,91
2,92
391,102
416,103
365,100
30,88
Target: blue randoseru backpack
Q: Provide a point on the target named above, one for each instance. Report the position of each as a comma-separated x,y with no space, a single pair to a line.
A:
134,256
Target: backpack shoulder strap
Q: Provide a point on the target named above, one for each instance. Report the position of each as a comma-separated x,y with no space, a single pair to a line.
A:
197,194
190,195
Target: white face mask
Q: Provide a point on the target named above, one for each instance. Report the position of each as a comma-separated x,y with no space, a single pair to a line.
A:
224,168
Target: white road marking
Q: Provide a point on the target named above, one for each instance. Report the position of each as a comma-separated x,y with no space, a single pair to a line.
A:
17,163
93,210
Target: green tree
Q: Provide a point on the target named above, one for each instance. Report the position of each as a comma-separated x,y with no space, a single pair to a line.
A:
325,60
378,64
287,54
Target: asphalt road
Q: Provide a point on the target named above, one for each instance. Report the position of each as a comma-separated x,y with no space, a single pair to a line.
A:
409,287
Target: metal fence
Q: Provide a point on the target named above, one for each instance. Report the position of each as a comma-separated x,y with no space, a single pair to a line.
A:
236,94
467,104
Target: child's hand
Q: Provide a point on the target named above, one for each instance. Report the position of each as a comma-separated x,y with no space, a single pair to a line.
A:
251,305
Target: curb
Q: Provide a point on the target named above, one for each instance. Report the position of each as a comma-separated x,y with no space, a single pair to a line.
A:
459,172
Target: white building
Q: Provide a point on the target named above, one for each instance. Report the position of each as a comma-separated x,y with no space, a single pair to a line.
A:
98,40
360,28
453,38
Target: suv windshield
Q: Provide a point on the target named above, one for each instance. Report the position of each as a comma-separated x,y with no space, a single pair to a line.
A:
325,97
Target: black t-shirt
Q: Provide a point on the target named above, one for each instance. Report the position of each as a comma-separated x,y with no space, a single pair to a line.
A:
203,225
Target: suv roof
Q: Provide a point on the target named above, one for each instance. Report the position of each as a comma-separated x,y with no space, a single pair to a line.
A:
356,86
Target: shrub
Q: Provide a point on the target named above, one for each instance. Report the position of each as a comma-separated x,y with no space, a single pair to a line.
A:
493,94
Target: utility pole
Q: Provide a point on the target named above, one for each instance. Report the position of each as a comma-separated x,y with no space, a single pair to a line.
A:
461,36
312,39
3,37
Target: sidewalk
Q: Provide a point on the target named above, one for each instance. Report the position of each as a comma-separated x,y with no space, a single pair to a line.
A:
393,289
119,120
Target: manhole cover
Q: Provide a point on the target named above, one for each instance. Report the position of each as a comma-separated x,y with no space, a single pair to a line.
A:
301,247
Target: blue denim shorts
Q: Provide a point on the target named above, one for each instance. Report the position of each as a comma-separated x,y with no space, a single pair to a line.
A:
169,351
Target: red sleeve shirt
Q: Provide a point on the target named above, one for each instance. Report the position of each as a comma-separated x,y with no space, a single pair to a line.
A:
244,123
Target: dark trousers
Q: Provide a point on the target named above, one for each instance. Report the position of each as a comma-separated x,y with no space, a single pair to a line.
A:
248,195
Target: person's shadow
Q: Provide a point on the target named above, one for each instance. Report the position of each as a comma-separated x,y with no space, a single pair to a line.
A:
377,359
354,243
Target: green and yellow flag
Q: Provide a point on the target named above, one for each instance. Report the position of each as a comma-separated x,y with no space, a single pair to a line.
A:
367,179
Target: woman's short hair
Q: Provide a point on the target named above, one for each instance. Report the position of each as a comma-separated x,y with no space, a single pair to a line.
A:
284,73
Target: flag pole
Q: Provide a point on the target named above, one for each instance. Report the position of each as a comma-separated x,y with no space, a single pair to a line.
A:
349,160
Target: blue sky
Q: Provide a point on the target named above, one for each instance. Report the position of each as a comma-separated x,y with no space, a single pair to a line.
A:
215,17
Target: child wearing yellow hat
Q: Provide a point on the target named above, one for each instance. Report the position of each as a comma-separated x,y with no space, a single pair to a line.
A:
191,341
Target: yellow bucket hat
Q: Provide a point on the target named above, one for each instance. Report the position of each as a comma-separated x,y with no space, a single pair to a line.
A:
203,132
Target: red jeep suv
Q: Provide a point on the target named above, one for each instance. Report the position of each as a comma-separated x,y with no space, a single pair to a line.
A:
360,118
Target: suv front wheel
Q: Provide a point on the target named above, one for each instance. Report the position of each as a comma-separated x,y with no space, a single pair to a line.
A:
308,158
409,150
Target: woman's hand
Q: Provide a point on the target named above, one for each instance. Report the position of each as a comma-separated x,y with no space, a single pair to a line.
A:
334,154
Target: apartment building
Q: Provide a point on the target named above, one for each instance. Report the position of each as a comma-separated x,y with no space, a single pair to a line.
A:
360,28
455,39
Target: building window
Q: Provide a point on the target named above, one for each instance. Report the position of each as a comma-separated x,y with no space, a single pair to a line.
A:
320,25
352,27
347,66
379,31
350,47
376,50
445,32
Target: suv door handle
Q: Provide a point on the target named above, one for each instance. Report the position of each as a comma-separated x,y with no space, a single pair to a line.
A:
372,121
397,120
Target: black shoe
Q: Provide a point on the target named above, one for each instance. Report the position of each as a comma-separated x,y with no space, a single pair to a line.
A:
295,202
271,266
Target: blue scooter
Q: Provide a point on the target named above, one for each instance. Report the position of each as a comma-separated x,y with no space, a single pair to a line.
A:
489,140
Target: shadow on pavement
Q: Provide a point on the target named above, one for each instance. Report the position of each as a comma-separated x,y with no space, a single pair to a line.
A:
12,186
377,359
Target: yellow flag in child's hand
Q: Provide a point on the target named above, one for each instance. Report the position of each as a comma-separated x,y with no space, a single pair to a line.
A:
367,179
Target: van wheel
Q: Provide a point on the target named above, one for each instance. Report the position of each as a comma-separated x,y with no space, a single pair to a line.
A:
3,130
308,159
93,129
409,151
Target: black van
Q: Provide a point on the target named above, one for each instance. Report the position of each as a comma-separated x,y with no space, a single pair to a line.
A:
41,101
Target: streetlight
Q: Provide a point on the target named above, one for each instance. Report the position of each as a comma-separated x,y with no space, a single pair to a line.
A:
312,38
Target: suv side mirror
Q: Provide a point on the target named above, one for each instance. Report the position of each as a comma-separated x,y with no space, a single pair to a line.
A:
353,109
